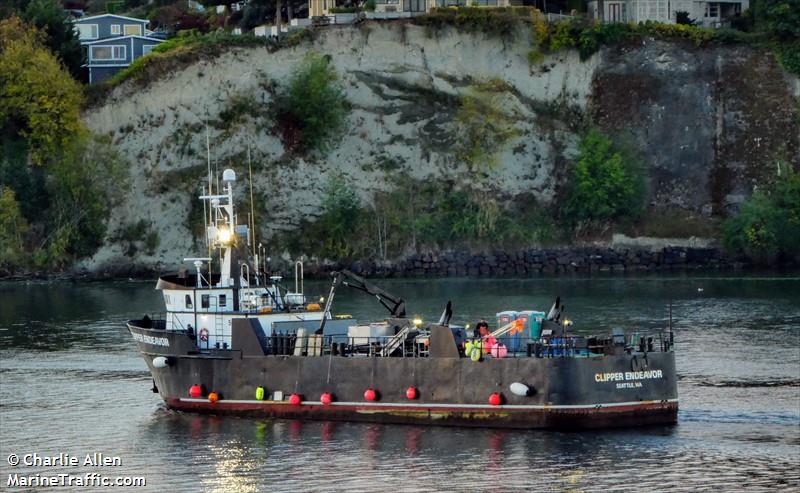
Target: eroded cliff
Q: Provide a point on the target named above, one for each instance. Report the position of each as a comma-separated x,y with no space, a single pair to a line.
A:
708,124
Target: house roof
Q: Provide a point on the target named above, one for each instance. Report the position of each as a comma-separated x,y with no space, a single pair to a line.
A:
117,38
111,15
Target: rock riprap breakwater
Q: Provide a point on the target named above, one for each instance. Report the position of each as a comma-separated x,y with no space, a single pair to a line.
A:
537,261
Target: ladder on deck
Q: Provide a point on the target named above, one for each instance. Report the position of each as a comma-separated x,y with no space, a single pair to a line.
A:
395,341
218,320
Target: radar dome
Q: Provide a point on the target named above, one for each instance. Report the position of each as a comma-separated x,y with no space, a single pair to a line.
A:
228,175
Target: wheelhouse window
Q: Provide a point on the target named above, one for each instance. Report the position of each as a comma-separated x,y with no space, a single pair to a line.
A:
204,301
223,300
189,301
108,53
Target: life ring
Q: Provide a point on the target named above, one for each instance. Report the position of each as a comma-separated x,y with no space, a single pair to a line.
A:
204,335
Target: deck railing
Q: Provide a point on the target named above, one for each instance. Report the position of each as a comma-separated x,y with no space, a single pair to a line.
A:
412,344
415,346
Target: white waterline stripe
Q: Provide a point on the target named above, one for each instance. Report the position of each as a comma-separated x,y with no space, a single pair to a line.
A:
438,406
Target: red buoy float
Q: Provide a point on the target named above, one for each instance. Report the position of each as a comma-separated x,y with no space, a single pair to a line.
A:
213,397
495,399
326,399
411,393
195,391
370,395
295,400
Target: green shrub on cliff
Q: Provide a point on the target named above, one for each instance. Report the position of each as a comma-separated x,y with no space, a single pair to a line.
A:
498,21
417,215
312,109
606,183
482,127
767,226
336,233
780,20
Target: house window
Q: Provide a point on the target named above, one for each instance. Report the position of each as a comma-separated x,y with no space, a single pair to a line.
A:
116,29
87,31
712,10
204,301
223,300
108,53
133,30
189,301
614,12
147,49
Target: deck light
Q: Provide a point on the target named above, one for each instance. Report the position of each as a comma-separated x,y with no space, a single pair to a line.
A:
417,321
224,235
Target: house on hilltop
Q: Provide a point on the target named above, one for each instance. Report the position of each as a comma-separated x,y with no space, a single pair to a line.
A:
717,13
112,42
403,8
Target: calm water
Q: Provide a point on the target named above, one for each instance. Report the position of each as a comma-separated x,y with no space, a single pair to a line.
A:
71,382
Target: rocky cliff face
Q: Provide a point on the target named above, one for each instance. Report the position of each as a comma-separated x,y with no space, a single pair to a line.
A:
708,123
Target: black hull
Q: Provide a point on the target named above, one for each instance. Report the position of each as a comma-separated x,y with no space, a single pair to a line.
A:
573,393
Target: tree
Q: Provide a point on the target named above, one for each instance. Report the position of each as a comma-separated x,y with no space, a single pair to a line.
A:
13,228
482,126
48,16
768,224
606,184
38,99
313,108
779,18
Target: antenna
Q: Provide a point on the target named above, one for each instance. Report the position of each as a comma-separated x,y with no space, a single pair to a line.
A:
670,315
216,175
208,219
252,208
208,160
205,220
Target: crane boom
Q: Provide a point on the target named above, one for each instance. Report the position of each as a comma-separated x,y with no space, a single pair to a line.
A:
395,305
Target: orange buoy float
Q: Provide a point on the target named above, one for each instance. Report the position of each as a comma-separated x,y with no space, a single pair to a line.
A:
370,395
295,400
326,399
495,399
195,391
213,397
411,393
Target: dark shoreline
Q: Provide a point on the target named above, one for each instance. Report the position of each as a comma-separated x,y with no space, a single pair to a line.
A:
450,263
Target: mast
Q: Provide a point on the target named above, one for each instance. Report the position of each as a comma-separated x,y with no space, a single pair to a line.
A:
221,231
209,217
252,222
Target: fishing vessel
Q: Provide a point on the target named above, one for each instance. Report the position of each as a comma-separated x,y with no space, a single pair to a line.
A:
234,340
